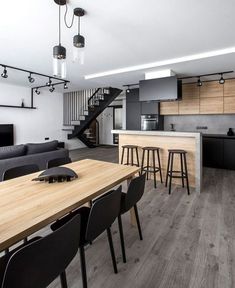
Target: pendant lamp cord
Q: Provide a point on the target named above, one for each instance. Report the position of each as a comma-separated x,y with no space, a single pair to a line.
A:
59,27
65,16
79,26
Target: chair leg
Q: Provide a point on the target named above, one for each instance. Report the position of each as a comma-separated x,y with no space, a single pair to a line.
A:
63,280
171,169
112,250
138,221
132,157
186,174
182,169
137,157
142,162
83,266
159,165
148,165
154,170
122,155
167,170
128,156
122,238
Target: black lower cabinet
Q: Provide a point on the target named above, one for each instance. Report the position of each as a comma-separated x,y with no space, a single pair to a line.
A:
213,151
229,154
219,153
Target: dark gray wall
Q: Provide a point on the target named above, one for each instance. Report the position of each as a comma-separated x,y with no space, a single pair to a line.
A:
217,124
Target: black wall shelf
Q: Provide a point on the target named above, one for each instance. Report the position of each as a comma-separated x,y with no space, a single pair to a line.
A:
12,106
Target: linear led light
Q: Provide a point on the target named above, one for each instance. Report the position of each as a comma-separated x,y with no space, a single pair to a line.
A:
163,63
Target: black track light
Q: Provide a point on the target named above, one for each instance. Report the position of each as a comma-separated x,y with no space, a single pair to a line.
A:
31,79
49,82
65,85
199,82
221,80
4,73
52,89
128,89
37,91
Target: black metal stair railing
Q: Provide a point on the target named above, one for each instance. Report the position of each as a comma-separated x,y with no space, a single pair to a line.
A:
90,109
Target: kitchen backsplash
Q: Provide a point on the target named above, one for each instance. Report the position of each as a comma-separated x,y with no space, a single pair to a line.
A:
208,124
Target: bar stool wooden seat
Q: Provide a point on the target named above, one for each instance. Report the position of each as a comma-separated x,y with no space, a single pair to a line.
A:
182,173
152,168
130,155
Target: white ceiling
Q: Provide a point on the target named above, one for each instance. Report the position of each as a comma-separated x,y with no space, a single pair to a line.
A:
118,34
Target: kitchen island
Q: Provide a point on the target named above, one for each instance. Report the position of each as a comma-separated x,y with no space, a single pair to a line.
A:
191,142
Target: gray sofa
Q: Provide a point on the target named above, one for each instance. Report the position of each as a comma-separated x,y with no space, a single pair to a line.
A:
32,153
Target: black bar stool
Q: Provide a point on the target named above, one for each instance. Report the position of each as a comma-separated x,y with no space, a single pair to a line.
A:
152,169
183,173
130,155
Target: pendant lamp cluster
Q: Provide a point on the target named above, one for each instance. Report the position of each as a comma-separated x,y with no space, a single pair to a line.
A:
59,51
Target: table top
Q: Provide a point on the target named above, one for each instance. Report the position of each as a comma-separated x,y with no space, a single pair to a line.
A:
27,206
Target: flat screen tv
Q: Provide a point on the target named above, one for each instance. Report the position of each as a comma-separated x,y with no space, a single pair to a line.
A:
161,89
6,135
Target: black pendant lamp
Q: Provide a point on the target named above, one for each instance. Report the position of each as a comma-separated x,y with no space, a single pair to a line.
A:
59,52
78,39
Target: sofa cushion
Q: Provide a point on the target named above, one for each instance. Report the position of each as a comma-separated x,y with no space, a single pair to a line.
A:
12,151
34,148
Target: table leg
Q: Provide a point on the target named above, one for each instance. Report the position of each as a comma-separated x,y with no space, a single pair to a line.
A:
132,211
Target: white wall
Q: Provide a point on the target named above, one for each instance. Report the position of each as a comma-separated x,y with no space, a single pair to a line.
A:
34,125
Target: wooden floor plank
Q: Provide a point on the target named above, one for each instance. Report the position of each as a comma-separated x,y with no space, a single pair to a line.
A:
189,241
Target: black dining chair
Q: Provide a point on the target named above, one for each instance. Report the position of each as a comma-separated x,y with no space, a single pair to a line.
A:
19,171
94,221
129,200
58,162
40,261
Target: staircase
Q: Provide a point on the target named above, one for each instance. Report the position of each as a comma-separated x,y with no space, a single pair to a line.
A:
99,100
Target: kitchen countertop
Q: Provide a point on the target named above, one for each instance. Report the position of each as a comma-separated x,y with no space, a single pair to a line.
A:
159,133
224,136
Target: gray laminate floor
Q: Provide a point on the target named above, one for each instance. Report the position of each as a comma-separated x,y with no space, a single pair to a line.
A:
189,241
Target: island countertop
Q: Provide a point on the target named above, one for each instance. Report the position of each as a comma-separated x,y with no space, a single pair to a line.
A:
191,142
159,133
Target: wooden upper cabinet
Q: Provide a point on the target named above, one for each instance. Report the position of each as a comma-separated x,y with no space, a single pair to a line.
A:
211,105
211,89
229,88
229,105
189,106
169,108
190,91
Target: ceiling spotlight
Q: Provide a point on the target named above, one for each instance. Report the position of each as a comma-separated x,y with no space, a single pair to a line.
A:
128,89
199,82
4,73
37,91
221,80
31,79
52,89
49,82
65,85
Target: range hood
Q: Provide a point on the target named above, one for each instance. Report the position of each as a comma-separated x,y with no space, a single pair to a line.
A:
161,89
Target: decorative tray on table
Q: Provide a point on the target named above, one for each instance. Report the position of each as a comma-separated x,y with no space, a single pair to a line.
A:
57,174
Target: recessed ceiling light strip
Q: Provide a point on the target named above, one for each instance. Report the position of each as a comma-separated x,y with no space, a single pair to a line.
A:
171,61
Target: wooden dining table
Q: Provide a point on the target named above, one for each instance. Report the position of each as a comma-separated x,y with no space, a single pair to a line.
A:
27,206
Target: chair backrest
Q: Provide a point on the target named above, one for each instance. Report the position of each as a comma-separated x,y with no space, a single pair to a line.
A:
135,191
103,213
58,162
39,263
20,171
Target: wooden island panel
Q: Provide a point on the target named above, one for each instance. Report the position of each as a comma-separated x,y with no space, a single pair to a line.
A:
165,143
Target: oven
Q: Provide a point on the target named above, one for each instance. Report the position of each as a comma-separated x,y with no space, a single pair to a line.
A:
149,122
